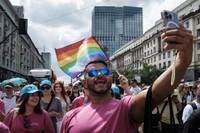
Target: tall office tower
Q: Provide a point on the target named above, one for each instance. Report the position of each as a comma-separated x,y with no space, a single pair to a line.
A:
47,59
115,26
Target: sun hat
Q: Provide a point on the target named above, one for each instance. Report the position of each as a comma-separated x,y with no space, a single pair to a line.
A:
45,82
115,90
29,89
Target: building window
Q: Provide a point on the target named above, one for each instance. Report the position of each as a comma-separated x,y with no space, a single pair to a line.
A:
160,66
7,62
164,65
159,56
163,55
198,56
169,63
154,58
174,52
198,45
168,53
198,32
198,20
154,49
187,24
154,41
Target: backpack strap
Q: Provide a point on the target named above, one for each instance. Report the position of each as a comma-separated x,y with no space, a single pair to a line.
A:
49,104
148,112
172,120
163,108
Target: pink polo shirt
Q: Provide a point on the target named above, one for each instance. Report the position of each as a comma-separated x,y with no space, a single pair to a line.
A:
77,102
109,117
37,123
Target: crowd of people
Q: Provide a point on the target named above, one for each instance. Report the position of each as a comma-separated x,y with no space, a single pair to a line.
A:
94,105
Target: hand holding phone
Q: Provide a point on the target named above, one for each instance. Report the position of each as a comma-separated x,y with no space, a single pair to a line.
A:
170,19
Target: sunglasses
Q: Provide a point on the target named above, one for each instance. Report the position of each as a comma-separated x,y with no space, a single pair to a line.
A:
45,87
26,121
94,72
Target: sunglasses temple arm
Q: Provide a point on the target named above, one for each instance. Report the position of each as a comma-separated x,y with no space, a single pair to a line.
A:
114,68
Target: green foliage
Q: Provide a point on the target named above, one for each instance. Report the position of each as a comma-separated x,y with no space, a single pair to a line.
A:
148,74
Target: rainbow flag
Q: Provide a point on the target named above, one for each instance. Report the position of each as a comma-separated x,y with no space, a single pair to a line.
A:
73,58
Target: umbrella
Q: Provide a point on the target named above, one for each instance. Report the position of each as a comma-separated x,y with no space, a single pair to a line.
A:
5,82
18,81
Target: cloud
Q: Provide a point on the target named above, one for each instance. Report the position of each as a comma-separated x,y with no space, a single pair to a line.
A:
56,23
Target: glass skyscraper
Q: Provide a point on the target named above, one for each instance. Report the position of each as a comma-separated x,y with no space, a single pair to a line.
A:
115,26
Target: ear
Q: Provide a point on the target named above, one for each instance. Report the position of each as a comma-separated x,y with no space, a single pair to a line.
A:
84,83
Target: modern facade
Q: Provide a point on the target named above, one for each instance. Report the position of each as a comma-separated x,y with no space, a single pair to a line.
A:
18,53
115,26
149,49
47,59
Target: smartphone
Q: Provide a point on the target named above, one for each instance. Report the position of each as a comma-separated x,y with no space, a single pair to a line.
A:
170,19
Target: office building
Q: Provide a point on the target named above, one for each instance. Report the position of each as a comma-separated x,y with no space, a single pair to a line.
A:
115,26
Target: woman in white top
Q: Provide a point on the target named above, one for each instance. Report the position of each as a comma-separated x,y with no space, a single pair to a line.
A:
61,94
64,99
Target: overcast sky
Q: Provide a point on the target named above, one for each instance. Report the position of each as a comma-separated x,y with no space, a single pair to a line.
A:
56,23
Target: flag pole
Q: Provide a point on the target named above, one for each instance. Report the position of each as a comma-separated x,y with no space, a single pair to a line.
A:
114,68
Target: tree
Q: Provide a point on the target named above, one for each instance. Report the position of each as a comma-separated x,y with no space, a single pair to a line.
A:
149,74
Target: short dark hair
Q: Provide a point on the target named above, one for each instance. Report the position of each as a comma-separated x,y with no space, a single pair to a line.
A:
97,61
134,81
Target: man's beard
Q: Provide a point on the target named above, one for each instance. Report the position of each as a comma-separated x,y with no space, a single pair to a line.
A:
91,87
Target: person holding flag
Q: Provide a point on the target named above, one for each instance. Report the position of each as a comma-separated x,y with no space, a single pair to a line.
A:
106,114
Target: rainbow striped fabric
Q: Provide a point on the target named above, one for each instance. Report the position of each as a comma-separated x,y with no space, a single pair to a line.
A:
73,58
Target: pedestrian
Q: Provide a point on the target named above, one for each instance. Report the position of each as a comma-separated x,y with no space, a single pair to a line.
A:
135,89
60,93
28,116
168,109
50,103
81,100
115,92
10,99
192,125
105,114
190,107
74,93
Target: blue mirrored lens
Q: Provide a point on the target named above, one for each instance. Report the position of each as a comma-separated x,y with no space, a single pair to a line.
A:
105,71
92,73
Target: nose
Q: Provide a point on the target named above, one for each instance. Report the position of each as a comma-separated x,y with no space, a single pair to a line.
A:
99,74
